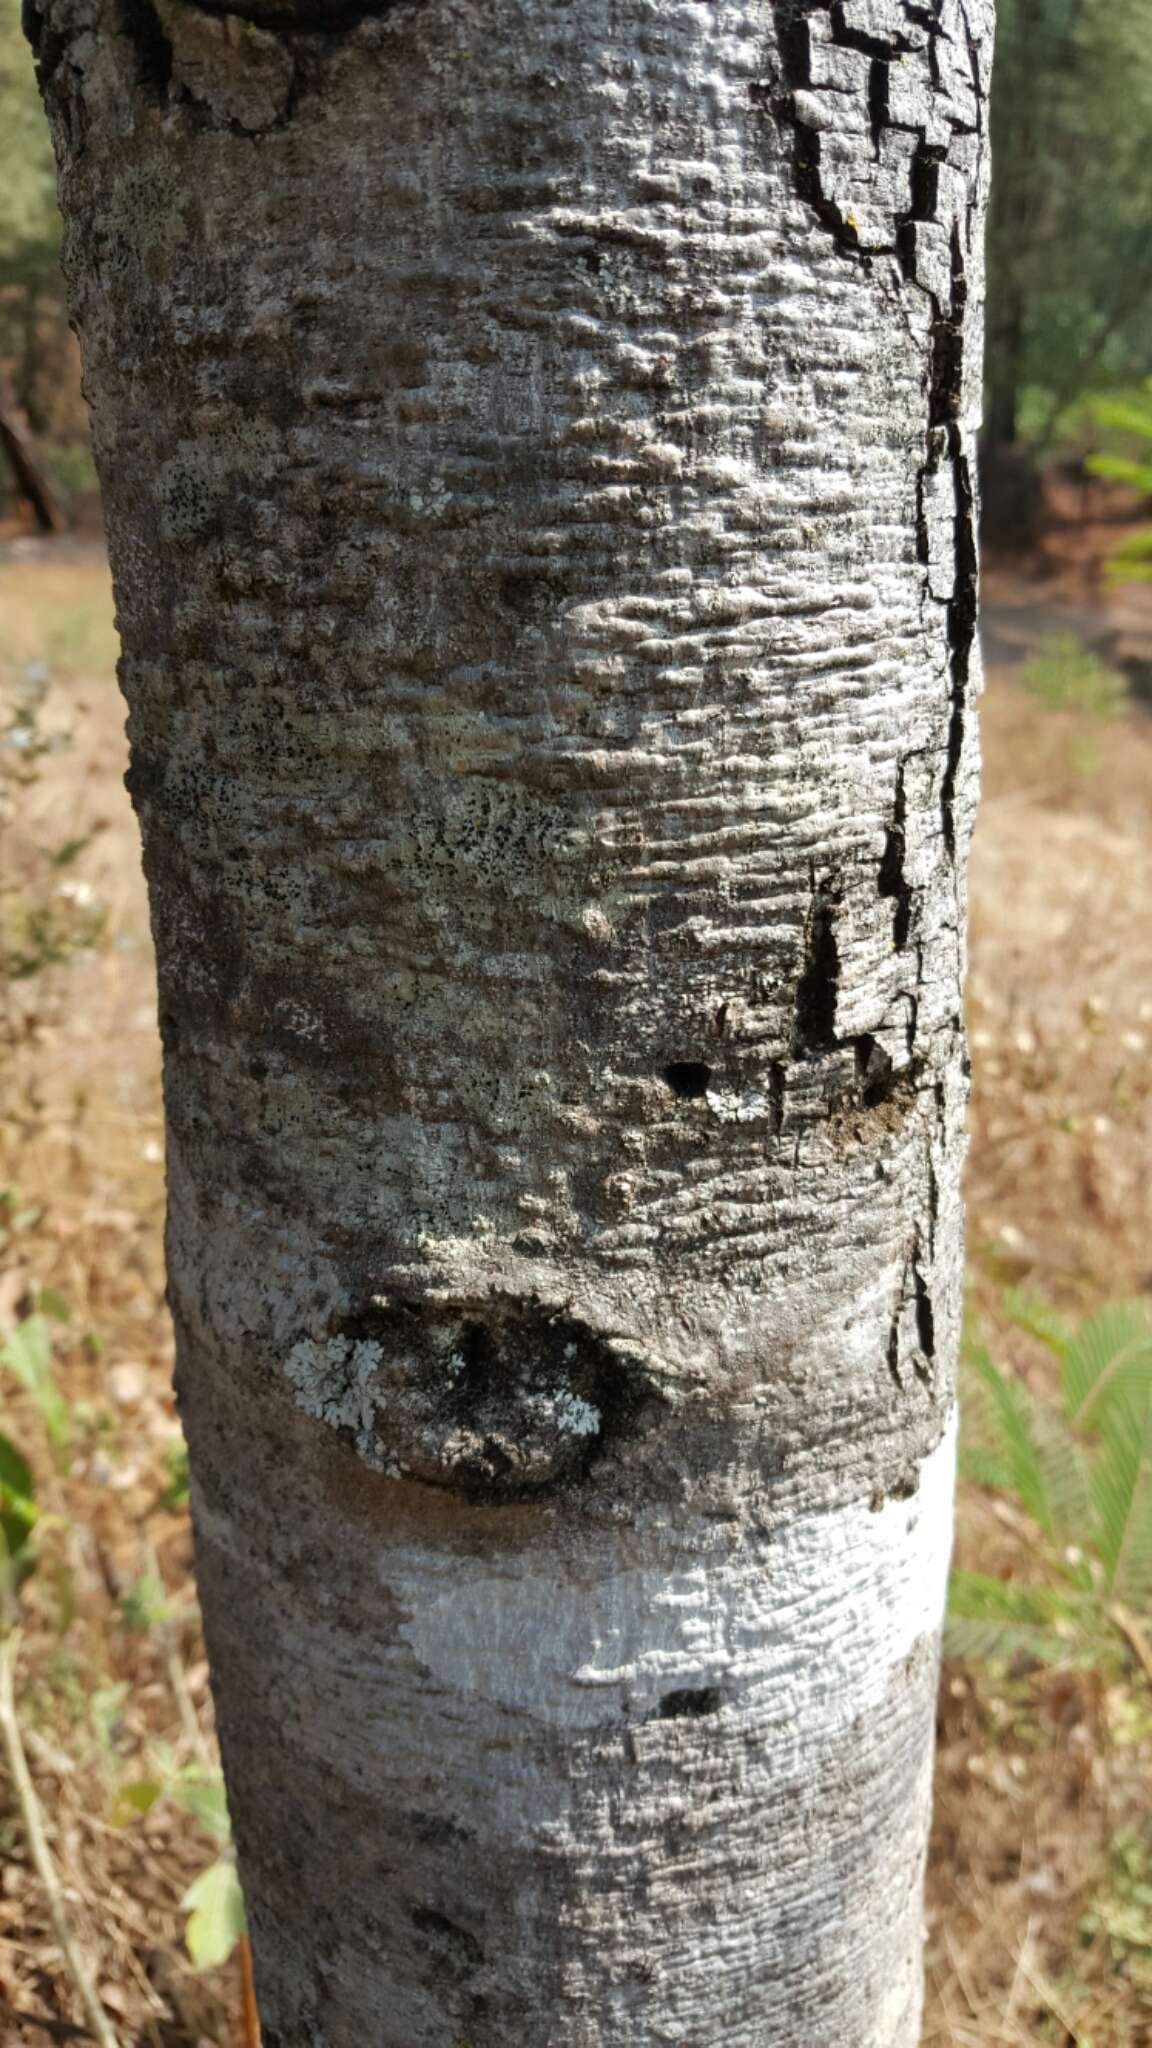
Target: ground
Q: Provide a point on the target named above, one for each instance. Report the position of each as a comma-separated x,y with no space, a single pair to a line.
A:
1040,1890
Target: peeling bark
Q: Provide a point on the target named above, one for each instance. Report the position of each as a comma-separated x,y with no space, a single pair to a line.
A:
537,449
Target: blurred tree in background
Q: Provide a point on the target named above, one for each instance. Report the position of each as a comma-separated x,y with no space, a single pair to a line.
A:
36,346
1070,229
1069,246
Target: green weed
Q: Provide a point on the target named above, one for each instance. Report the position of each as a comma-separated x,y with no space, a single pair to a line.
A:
1077,1473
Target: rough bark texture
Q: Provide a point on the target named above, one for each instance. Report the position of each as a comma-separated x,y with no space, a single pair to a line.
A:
537,444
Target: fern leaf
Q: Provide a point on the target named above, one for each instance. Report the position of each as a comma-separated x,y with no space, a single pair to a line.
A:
1105,1348
1066,1474
985,1468
1122,1490
1123,469
980,1596
1032,1313
1125,413
1005,1410
996,1620
1002,1642
1137,548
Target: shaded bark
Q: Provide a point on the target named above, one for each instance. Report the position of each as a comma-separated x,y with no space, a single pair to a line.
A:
538,447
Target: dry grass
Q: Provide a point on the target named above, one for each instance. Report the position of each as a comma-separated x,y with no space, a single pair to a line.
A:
80,1154
1041,1777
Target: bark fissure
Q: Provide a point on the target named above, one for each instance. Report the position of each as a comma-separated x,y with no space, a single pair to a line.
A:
817,989
943,280
142,25
893,879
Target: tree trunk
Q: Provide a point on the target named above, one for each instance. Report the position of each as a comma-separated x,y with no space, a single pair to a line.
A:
537,444
31,485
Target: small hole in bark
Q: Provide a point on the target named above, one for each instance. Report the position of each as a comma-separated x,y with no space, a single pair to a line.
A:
690,1703
873,1071
688,1078
925,1317
458,1950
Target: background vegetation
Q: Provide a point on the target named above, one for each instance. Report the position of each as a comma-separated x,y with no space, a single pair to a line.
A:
36,347
1070,235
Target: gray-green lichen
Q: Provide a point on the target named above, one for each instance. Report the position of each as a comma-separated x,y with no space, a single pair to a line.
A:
333,1378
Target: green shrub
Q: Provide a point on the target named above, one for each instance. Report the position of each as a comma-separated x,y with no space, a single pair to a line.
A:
1067,676
1077,1475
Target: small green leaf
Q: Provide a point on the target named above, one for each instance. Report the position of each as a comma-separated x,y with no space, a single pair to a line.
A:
137,1797
63,856
145,1604
52,1303
175,1493
27,1355
215,1906
15,1471
206,1800
18,1512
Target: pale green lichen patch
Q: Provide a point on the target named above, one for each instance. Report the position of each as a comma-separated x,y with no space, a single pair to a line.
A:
333,1379
568,1414
494,1398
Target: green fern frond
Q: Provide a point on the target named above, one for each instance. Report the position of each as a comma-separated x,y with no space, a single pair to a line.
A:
1002,1642
993,1642
1109,1346
1123,469
1066,1474
1122,1490
985,1468
1004,1410
1136,548
1128,412
1032,1313
980,1596
993,1619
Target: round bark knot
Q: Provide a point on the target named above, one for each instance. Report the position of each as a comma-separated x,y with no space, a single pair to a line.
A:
497,1399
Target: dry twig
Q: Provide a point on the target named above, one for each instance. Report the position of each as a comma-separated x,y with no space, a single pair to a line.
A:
33,1821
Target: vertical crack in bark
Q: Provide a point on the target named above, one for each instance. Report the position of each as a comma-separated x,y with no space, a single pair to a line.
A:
893,880
946,366
794,44
925,1319
777,1086
913,1320
142,26
962,617
818,989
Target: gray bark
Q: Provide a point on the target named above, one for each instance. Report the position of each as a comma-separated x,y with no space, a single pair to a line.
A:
537,447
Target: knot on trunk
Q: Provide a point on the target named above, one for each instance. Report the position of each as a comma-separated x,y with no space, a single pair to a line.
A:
496,1399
